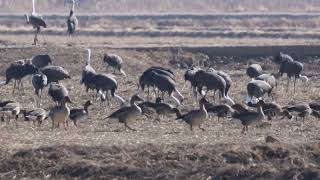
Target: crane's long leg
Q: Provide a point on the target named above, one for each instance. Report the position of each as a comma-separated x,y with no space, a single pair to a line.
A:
43,36
14,86
195,93
288,83
184,85
126,125
35,37
107,98
148,93
21,85
52,125
294,85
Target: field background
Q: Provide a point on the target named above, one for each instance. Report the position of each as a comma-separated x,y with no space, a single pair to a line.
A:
166,6
173,34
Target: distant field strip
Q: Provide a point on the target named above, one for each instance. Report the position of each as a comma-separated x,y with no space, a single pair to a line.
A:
298,26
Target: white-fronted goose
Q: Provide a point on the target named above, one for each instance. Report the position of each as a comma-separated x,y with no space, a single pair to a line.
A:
60,113
250,117
302,110
11,110
36,116
77,114
272,109
195,117
128,113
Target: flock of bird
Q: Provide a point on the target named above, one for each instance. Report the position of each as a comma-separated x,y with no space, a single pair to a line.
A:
158,81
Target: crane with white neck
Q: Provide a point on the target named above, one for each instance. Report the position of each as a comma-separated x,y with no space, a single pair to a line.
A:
36,21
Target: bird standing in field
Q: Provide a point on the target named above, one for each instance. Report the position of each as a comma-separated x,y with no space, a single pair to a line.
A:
88,74
164,109
301,110
37,21
39,81
195,117
128,113
257,89
11,109
41,60
272,109
17,71
72,20
115,62
254,70
60,113
36,115
57,92
55,73
250,117
77,114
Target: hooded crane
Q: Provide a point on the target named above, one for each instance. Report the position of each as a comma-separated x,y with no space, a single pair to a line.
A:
41,60
72,20
269,78
189,76
226,77
39,81
77,2
17,71
248,117
195,118
212,81
128,114
36,21
166,84
105,83
57,92
77,114
292,69
257,89
254,70
115,62
60,113
146,79
88,74
281,57
55,73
